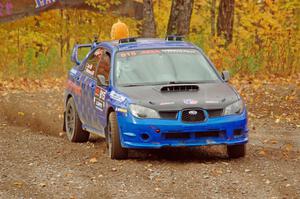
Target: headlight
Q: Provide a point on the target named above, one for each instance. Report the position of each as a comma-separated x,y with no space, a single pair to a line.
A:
235,108
142,112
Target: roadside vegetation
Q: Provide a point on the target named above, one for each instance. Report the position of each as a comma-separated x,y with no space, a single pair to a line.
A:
258,38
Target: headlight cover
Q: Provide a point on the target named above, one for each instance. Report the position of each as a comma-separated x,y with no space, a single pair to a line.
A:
235,108
142,112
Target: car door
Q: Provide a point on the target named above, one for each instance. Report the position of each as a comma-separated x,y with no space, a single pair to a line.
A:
100,95
88,86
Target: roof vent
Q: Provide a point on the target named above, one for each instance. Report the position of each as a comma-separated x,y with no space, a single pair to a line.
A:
180,88
174,38
127,40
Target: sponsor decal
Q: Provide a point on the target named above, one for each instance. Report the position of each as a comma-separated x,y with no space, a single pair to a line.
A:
149,52
76,89
185,51
128,54
166,103
190,101
99,98
211,102
8,6
115,96
102,94
41,3
193,112
122,110
90,69
99,105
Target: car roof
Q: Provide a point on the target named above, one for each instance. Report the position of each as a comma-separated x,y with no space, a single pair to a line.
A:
147,43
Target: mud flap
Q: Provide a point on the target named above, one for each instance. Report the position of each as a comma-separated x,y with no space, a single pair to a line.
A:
64,124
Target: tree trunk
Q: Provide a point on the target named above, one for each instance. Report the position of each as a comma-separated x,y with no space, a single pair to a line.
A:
180,17
213,17
149,27
68,36
225,20
61,33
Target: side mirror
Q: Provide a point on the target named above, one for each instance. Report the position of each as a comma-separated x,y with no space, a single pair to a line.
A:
101,80
74,56
225,76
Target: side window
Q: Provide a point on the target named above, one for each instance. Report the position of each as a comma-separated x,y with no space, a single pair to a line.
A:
92,63
104,63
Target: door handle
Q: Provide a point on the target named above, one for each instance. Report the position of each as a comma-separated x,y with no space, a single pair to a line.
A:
92,85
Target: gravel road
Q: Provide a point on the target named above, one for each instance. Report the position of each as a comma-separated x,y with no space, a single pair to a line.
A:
37,160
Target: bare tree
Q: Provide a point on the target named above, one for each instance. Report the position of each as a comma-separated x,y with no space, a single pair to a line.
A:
225,20
149,27
180,17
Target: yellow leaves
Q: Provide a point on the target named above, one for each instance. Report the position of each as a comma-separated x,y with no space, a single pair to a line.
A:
93,160
21,113
269,2
18,184
102,5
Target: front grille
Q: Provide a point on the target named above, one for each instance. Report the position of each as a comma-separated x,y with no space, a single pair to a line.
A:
169,115
208,134
215,112
195,135
180,88
193,115
172,136
238,132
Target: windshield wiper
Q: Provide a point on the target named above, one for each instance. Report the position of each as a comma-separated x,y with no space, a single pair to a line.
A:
144,84
131,85
185,82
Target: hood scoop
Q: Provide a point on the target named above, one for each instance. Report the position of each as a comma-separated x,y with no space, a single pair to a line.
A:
180,88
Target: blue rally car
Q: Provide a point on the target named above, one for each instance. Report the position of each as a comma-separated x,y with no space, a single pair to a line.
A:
152,93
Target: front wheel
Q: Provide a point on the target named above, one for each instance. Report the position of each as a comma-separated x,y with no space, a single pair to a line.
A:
115,149
236,151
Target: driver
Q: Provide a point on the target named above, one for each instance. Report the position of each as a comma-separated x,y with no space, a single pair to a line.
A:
104,65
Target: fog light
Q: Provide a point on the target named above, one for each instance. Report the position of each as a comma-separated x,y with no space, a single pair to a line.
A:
145,136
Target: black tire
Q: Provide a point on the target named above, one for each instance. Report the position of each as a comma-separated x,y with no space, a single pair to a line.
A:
236,151
74,130
115,149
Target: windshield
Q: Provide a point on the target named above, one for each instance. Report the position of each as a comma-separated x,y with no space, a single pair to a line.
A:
162,66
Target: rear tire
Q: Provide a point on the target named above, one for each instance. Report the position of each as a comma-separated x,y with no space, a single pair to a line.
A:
236,151
115,149
74,130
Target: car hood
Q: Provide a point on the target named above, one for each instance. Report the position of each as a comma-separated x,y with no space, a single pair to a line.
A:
207,96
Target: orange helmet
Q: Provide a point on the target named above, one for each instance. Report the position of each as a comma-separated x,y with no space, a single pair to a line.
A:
119,31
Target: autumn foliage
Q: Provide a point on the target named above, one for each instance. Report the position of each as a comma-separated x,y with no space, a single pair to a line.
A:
265,37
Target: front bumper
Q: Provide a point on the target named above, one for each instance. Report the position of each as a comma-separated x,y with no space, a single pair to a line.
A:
157,133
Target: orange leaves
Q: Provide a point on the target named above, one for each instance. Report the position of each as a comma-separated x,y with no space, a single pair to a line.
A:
269,2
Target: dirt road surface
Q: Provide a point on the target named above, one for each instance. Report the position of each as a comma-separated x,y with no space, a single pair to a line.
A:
37,160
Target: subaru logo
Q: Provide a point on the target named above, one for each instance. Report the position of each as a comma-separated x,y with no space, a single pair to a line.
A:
193,112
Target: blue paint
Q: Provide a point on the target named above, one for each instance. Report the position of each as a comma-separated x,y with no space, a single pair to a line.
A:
131,128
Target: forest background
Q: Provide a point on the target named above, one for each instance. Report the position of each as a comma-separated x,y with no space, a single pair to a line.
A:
246,37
